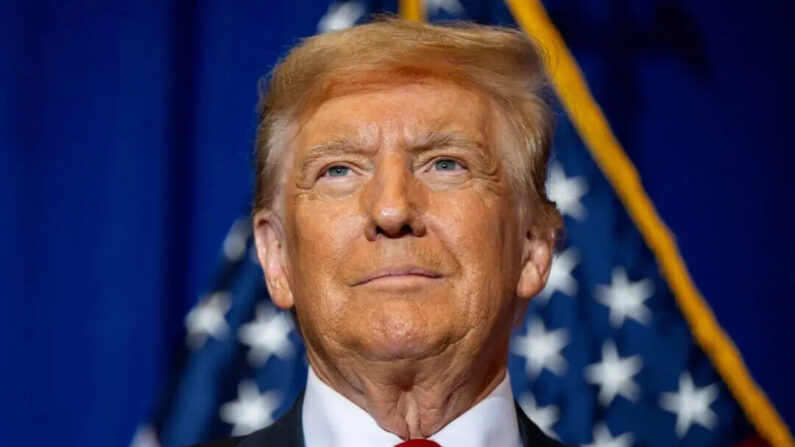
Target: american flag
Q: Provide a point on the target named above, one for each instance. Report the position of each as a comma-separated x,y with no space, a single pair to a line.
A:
605,356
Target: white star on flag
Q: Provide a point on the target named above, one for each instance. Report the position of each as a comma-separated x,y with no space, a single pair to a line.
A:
207,319
614,374
251,411
541,348
691,405
603,438
145,436
543,417
267,335
340,16
566,192
626,299
234,245
560,277
452,7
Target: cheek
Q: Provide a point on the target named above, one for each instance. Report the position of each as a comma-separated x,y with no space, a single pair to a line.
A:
323,232
474,224
481,230
321,235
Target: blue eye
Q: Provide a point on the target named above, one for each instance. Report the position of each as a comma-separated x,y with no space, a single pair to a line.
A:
445,164
337,171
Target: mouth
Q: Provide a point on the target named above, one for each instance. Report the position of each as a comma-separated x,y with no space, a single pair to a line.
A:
398,275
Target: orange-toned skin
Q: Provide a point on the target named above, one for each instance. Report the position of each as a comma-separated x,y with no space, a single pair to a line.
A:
418,188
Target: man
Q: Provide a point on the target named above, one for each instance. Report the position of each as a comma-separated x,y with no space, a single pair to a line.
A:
400,213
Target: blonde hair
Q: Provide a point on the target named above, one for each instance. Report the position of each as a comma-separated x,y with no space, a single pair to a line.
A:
501,62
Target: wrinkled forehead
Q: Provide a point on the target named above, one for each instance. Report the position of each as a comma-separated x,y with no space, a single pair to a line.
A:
397,112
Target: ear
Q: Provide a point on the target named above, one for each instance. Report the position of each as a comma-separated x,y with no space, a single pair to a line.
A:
536,263
269,238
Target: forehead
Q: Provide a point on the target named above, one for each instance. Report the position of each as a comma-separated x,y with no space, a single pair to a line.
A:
398,113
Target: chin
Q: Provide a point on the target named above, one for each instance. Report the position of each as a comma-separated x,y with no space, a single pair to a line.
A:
396,350
404,332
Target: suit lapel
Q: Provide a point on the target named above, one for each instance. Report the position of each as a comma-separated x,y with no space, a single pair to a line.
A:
531,435
288,431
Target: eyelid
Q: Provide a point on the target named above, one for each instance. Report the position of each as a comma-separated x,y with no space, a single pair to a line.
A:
434,160
325,169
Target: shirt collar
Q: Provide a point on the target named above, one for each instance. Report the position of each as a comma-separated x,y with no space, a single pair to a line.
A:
331,420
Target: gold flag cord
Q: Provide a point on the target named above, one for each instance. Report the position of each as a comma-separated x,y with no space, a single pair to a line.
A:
413,10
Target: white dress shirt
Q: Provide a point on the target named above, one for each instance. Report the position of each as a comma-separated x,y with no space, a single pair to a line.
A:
331,420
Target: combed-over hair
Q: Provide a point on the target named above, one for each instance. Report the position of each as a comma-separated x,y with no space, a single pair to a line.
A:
501,62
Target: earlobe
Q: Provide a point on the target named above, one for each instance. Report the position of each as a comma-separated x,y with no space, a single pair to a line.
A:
268,239
536,263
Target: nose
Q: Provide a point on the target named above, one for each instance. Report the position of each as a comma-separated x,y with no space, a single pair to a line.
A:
390,201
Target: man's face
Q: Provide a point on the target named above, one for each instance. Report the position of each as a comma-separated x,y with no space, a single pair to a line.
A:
401,233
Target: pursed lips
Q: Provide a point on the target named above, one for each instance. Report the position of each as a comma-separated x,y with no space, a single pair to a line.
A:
398,272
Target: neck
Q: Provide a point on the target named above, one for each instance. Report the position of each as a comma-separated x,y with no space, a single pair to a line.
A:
414,398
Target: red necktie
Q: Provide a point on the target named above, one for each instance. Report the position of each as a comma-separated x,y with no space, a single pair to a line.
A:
418,443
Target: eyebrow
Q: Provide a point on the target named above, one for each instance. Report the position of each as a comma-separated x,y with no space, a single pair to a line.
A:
329,148
441,139
445,138
434,139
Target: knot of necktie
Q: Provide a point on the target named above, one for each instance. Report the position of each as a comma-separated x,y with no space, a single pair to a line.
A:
418,443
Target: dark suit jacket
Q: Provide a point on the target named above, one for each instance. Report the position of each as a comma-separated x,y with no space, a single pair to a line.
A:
288,431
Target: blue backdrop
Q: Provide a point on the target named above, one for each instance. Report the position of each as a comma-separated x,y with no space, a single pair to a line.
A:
125,133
